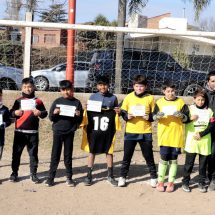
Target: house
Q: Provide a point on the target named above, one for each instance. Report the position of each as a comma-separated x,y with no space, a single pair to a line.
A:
170,44
46,37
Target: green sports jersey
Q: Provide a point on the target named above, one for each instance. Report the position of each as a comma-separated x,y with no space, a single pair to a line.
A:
202,146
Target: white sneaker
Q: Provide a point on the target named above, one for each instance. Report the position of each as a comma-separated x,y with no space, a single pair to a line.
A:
121,182
153,182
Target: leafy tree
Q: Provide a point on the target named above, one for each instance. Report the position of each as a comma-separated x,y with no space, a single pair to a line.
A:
97,39
55,13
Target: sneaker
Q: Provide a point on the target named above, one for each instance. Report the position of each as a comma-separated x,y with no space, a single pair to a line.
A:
121,182
35,179
160,187
13,177
186,188
153,182
49,182
88,181
70,182
170,187
112,181
211,186
202,188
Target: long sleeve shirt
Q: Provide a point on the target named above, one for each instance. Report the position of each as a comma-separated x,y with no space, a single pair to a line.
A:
65,124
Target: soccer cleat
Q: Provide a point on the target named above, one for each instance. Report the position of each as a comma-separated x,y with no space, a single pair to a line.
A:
35,179
70,182
121,182
202,188
186,188
153,182
211,186
170,187
49,182
13,177
112,181
88,181
160,187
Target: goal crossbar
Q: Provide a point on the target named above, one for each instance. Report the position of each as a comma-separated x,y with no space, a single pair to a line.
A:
106,28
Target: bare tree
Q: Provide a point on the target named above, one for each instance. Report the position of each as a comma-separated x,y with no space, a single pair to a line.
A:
13,9
207,24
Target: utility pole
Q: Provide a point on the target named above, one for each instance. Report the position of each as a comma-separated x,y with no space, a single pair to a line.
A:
71,42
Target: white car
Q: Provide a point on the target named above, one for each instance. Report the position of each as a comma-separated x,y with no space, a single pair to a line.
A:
10,77
49,78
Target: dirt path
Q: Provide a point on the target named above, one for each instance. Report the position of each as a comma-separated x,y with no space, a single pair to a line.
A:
137,198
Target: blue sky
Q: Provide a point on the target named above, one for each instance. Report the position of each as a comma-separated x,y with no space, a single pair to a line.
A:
88,9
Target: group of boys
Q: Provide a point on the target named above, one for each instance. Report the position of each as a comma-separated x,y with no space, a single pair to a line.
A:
138,109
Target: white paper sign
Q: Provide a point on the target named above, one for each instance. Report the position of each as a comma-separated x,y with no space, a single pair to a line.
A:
1,119
169,110
67,110
95,106
138,110
28,104
203,117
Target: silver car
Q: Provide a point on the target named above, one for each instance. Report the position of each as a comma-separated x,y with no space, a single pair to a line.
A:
10,77
49,78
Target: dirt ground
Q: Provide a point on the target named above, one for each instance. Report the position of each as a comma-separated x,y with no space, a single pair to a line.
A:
138,197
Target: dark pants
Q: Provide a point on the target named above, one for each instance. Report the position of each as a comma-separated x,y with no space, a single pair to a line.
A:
188,167
146,148
20,141
2,133
58,140
211,159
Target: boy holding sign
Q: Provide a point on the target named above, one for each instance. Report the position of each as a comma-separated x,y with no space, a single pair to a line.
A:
198,139
171,112
100,123
4,122
136,110
27,110
66,114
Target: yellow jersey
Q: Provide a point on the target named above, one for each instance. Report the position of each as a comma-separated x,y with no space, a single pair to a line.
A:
170,129
138,125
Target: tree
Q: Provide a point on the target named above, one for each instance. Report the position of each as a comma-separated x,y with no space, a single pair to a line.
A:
55,13
96,39
207,24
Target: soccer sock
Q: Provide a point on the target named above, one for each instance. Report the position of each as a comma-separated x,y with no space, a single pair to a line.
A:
110,171
162,167
172,170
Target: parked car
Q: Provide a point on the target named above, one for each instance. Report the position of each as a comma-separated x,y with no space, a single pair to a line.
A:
10,77
49,78
156,66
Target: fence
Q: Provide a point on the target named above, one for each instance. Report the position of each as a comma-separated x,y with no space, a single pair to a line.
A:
161,54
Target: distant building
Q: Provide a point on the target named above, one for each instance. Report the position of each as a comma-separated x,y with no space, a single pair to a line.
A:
46,37
188,44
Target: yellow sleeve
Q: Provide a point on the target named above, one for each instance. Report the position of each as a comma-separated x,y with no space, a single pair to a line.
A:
125,104
152,107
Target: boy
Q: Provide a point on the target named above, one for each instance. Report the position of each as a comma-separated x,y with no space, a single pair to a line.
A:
136,110
27,110
66,114
210,90
99,131
198,139
4,122
170,111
